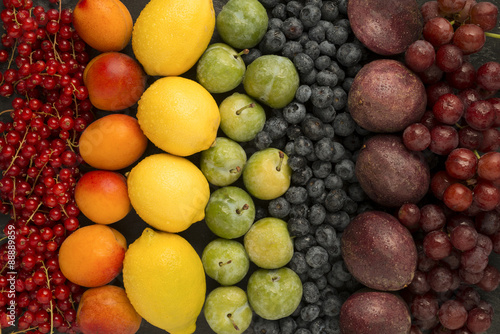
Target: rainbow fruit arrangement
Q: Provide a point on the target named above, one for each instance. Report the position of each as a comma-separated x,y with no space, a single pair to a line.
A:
343,156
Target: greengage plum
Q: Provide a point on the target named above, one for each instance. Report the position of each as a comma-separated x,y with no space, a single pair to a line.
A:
225,261
230,212
272,79
241,117
223,163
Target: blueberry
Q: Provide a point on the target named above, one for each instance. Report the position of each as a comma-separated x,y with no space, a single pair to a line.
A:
362,131
311,157
298,226
339,152
301,176
347,83
322,96
302,331
318,326
289,148
344,22
328,49
317,214
311,48
341,270
298,263
315,187
293,8
292,27
344,124
303,93
329,11
252,54
279,207
310,312
317,34
303,39
327,238
321,282
275,23
324,149
321,169
339,98
335,200
261,325
342,6
294,112
332,325
305,242
316,256
333,181
353,70
269,3
287,325
317,3
352,142
338,220
297,162
308,78
262,140
326,115
350,206
299,210
310,15
310,292
303,63
291,49
293,131
349,54
260,212
279,11
326,78
316,273
345,169
332,305
337,70
325,24
276,127
272,42
337,35
296,195
322,62
303,146
313,128
356,192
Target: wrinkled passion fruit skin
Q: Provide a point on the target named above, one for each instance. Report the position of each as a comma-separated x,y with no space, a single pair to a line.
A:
379,251
389,173
374,312
386,27
386,96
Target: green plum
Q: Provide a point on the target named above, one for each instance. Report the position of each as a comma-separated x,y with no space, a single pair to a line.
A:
230,212
271,79
274,293
223,163
267,174
227,310
225,261
242,23
268,243
241,117
220,68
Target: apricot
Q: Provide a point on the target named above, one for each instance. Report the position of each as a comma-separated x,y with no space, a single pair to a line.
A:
105,25
115,81
93,255
107,310
102,196
112,142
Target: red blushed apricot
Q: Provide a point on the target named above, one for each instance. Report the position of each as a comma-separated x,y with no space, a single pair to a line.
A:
93,255
107,310
102,196
105,25
115,81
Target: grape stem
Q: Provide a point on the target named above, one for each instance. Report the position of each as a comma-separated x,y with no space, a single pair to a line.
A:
491,34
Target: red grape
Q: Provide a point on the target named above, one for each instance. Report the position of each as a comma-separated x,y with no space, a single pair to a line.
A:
420,55
463,237
451,6
462,78
480,115
469,38
488,166
452,314
438,31
437,245
448,109
444,139
461,163
488,76
484,14
458,197
449,57
478,320
416,137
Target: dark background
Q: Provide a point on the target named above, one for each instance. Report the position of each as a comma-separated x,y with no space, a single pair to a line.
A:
198,234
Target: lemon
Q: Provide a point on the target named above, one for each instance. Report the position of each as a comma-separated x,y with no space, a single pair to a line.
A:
168,192
178,115
170,35
164,280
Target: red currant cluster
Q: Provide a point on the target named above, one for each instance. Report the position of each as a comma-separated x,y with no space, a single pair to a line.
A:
43,61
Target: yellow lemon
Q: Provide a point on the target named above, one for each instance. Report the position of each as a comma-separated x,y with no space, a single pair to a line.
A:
169,36
168,192
164,280
178,115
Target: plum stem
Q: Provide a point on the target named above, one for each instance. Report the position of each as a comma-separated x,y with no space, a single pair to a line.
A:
282,157
243,208
491,34
243,52
223,264
235,170
251,105
230,316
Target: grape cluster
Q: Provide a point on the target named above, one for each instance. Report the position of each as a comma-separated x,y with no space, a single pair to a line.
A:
321,139
43,60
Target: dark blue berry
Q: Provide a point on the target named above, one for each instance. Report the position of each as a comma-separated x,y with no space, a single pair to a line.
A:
339,98
269,3
337,35
353,70
311,48
310,292
335,200
344,22
317,214
339,152
340,270
322,96
310,15
317,3
260,212
356,192
322,62
337,70
327,48
299,210
333,181
303,93
321,169
298,263
324,149
313,128
289,148
309,78
303,63
301,176
338,220
275,23
347,83
297,162
332,305
326,78
287,325
296,195
279,207
272,42
294,112
345,169
279,11
326,115
303,146
342,6
292,27
276,127
317,34
321,282
291,49
310,312
327,238
349,54
329,11
261,325
316,256
293,8
262,140
352,142
302,330
315,187
298,227
252,54
350,206
293,131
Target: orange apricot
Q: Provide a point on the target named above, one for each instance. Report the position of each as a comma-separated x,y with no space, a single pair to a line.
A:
93,255
105,25
102,196
107,310
112,142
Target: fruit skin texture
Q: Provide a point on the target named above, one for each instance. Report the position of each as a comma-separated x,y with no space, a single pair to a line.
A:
105,25
168,192
164,280
385,27
374,312
386,96
93,255
112,142
379,252
169,36
115,81
102,196
179,116
107,310
389,173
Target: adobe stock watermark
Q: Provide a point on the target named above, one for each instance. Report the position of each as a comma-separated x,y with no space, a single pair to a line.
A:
11,274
